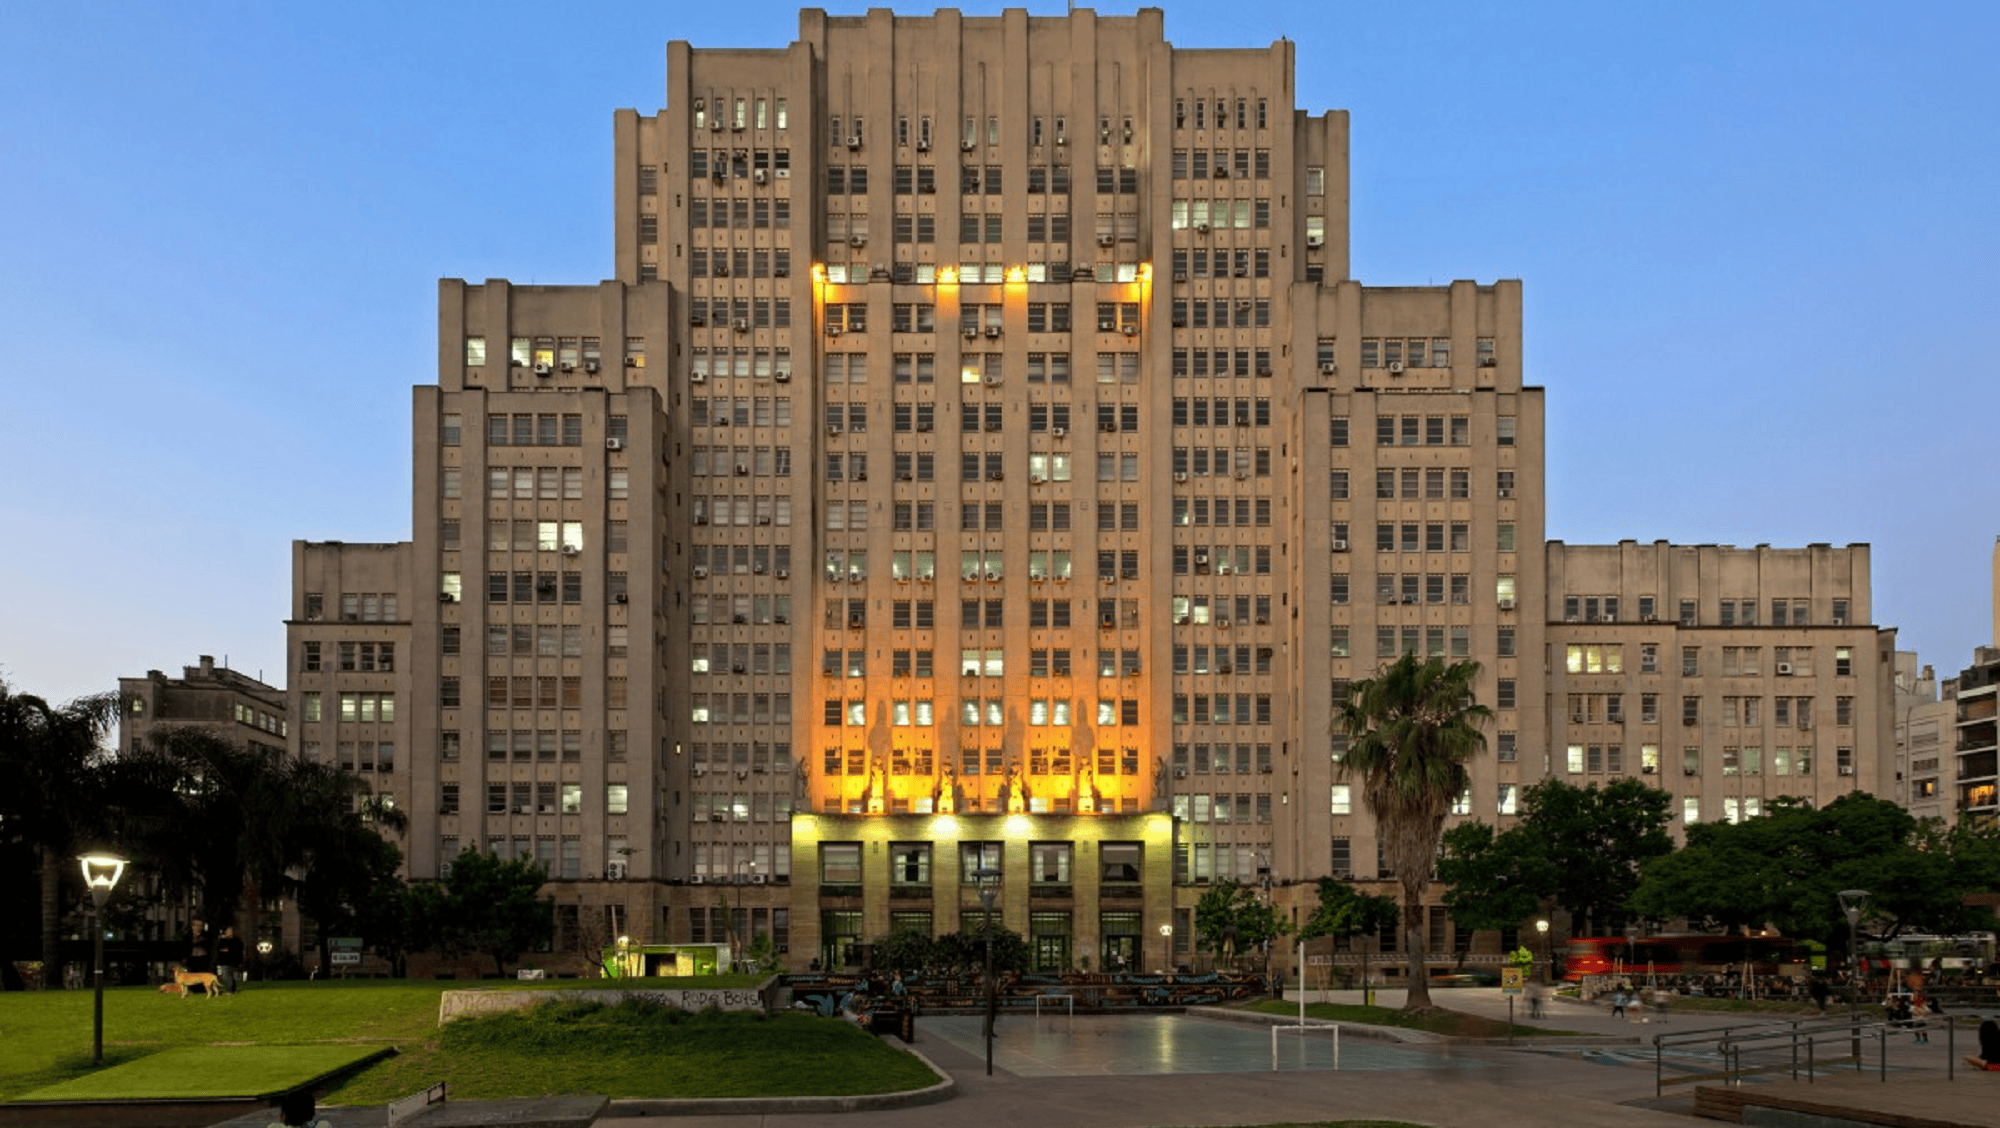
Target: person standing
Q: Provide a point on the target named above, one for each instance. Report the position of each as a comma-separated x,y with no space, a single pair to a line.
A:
1819,992
200,954
229,960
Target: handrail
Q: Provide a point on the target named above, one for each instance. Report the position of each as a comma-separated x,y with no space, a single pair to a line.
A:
1807,1035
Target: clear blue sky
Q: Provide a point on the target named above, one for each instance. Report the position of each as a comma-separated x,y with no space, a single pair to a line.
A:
1758,243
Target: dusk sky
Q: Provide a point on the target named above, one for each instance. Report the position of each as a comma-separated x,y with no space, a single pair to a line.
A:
1753,237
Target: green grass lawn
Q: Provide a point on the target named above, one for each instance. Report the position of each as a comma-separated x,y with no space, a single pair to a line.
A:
47,1039
1451,1023
207,1071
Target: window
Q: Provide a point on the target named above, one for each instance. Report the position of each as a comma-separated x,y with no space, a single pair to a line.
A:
910,864
840,863
615,798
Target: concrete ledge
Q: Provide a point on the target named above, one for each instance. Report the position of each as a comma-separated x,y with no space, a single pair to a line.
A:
1411,1037
944,1090
453,1005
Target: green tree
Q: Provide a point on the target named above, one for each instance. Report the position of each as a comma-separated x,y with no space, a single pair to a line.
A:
1413,727
1495,879
52,759
1345,913
904,950
1231,919
490,906
1785,868
1579,848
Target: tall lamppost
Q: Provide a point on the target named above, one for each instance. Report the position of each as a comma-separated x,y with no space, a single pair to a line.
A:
1548,953
1851,901
1166,948
988,890
100,875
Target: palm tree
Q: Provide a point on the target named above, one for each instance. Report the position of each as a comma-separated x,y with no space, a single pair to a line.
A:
52,760
1413,727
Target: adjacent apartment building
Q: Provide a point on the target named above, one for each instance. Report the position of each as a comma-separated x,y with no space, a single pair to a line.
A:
982,474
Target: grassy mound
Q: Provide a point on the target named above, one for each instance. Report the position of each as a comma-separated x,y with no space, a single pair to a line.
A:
637,1050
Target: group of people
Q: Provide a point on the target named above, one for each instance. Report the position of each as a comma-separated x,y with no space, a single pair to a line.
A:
221,955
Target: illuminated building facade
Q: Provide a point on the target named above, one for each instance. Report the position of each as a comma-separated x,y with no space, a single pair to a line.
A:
981,461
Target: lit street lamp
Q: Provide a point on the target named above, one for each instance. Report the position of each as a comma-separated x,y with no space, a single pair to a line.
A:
1167,948
1548,953
100,875
988,890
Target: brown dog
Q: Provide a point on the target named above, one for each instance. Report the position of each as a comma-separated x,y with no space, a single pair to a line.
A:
184,979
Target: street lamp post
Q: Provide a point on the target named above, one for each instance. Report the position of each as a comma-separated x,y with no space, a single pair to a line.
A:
1851,902
1166,948
1548,953
987,892
100,875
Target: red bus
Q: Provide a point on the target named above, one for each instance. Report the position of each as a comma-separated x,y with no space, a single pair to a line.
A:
1680,955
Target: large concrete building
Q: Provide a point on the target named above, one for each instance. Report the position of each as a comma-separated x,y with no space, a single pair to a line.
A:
720,576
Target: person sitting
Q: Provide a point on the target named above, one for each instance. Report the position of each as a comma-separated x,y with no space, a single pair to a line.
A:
1989,1047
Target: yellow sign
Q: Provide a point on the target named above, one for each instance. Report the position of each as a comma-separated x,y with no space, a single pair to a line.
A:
1511,979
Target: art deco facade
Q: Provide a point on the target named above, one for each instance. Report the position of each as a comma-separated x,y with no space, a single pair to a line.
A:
982,467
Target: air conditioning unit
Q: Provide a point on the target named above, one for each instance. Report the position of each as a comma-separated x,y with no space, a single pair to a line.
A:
615,870
443,597
857,240
759,878
1847,769
1503,492
1242,475
1181,277
715,126
1037,480
1506,605
1180,773
697,879
1340,546
833,330
1222,624
972,332
1201,228
524,810
1223,570
1315,241
1059,432
742,326
854,143
543,369
1690,721
784,376
760,176
572,550
1395,368
700,571
784,573
967,145
923,146
1784,669
833,428
590,366
992,380
621,597
1131,330
697,377
1180,477
1329,369
993,331
1107,326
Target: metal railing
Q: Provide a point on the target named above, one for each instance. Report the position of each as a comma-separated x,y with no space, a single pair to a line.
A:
1800,1047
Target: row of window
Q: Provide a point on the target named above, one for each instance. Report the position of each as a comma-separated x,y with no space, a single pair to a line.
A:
525,744
256,718
355,607
757,214
362,708
740,708
742,807
1222,808
354,657
548,354
1786,611
1204,758
1049,863
739,610
524,798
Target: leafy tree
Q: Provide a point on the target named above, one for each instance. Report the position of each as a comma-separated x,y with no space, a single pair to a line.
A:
52,759
397,918
1785,869
905,950
1413,727
490,907
965,950
1579,848
1231,919
1496,879
1345,913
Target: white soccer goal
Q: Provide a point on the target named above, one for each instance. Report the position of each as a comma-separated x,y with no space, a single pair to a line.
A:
1305,1034
1068,1001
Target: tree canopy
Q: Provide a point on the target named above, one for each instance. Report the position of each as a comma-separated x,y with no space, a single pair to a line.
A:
490,906
1577,848
1231,919
1785,868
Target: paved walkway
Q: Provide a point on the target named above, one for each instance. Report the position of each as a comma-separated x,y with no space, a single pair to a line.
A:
1531,1086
